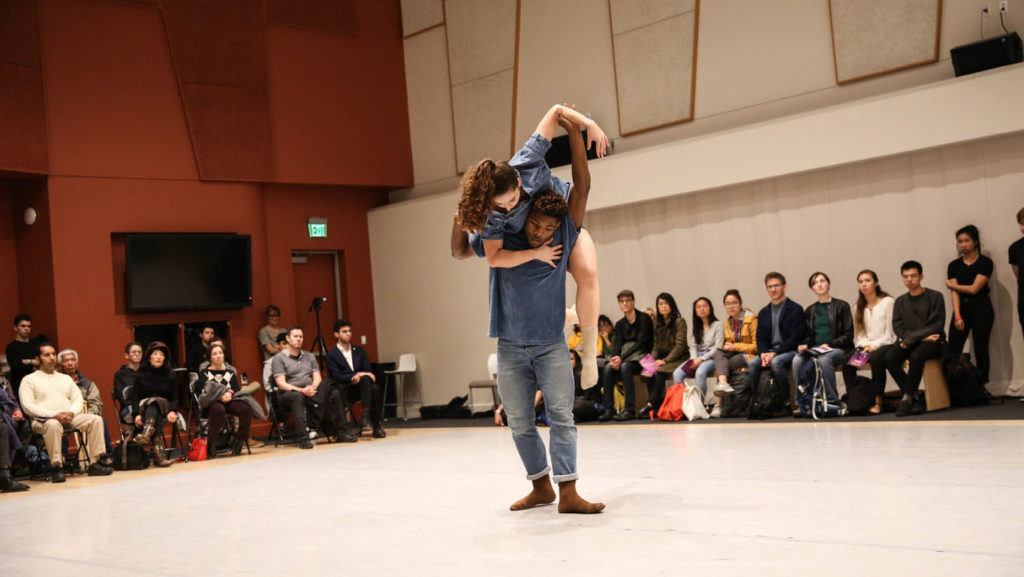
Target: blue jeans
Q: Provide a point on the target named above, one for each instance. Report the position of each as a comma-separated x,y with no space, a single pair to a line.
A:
828,363
778,366
522,369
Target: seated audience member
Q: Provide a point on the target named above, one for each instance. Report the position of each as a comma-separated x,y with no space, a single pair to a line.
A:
268,334
872,333
53,402
227,356
222,394
67,363
268,373
16,417
575,341
9,442
669,351
605,335
297,376
781,327
739,345
830,329
21,352
634,335
1016,264
704,339
349,367
918,318
154,399
197,354
650,312
125,375
969,292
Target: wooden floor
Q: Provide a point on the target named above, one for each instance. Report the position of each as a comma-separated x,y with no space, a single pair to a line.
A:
732,498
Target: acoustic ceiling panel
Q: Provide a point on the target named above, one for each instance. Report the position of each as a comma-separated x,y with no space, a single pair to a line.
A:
23,119
629,15
218,42
19,32
419,15
654,71
331,15
231,132
481,38
482,112
872,37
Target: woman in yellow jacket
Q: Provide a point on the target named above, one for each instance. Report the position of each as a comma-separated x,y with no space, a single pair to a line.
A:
740,341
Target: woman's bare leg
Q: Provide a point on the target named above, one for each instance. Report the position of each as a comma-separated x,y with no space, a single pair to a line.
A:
583,266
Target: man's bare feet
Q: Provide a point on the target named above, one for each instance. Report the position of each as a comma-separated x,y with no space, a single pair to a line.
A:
542,494
569,501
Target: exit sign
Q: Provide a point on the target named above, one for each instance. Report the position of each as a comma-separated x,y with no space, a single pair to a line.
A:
317,227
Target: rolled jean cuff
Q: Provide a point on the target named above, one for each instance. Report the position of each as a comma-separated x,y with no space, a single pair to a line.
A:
563,478
539,475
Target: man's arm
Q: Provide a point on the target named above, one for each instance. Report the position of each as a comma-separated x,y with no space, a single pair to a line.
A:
552,119
580,191
499,257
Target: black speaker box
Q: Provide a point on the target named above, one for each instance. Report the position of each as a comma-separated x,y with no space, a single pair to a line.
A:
560,155
987,54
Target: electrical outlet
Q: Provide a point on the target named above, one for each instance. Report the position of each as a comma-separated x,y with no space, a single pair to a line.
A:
1004,6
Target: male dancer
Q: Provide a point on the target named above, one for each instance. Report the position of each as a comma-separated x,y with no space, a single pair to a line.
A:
527,314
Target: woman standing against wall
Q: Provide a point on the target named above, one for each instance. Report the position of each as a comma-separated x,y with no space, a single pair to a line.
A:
972,310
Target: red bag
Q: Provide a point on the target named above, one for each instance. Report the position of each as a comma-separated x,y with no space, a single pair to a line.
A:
197,452
672,407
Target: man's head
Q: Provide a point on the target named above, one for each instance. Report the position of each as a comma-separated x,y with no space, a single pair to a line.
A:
68,361
282,340
22,325
294,340
546,215
47,355
343,331
627,302
775,284
912,273
207,333
133,352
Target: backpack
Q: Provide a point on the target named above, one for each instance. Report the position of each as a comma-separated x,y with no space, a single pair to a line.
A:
815,398
768,401
672,407
129,456
964,382
738,403
860,396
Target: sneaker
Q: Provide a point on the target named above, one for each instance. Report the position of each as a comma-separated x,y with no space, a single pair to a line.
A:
904,408
723,389
716,413
607,415
625,415
58,476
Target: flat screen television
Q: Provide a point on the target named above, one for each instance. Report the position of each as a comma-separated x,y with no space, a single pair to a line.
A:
187,272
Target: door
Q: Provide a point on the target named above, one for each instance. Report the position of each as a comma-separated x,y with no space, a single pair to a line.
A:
315,276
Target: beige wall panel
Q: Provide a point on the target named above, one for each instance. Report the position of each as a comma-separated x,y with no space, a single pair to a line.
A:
481,37
654,67
419,15
574,67
430,106
629,15
483,119
876,36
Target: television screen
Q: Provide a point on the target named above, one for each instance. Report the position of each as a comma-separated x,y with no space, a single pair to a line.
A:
187,272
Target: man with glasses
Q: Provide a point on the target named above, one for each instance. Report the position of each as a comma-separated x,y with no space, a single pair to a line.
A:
634,338
781,326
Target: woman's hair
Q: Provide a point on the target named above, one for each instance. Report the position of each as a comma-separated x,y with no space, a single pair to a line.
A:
605,319
810,281
673,312
480,184
862,301
271,309
152,348
733,293
971,231
698,324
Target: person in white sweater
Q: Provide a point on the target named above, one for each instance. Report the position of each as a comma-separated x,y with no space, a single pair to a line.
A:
872,332
705,338
53,401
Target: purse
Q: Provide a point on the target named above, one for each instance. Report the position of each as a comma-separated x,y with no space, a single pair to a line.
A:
693,404
197,451
859,358
672,407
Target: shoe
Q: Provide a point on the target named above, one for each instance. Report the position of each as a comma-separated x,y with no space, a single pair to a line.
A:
904,408
236,448
645,413
917,406
306,444
211,452
723,389
716,413
625,415
145,438
347,436
58,476
159,454
378,432
607,415
106,460
9,485
99,470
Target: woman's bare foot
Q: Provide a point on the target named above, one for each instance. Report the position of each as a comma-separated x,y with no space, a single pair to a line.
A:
569,501
542,494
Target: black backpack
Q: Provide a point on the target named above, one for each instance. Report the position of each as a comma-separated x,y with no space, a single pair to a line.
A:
738,403
129,456
768,400
860,396
964,382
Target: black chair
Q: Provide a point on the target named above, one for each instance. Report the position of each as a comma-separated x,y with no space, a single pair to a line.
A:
73,444
126,424
201,419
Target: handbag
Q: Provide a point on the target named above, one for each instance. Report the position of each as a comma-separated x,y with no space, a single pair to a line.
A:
672,407
197,451
859,358
693,404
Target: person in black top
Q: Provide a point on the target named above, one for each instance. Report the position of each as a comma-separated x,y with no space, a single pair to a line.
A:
154,400
125,377
634,337
197,354
349,367
972,310
21,352
1017,264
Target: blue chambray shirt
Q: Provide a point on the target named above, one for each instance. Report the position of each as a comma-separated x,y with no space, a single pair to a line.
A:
536,176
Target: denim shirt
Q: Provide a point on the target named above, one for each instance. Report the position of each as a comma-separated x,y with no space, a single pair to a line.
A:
536,176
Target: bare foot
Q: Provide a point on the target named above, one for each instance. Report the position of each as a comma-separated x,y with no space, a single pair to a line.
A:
569,501
542,494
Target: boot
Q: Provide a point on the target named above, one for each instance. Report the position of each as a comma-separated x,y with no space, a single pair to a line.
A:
159,454
145,438
8,484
